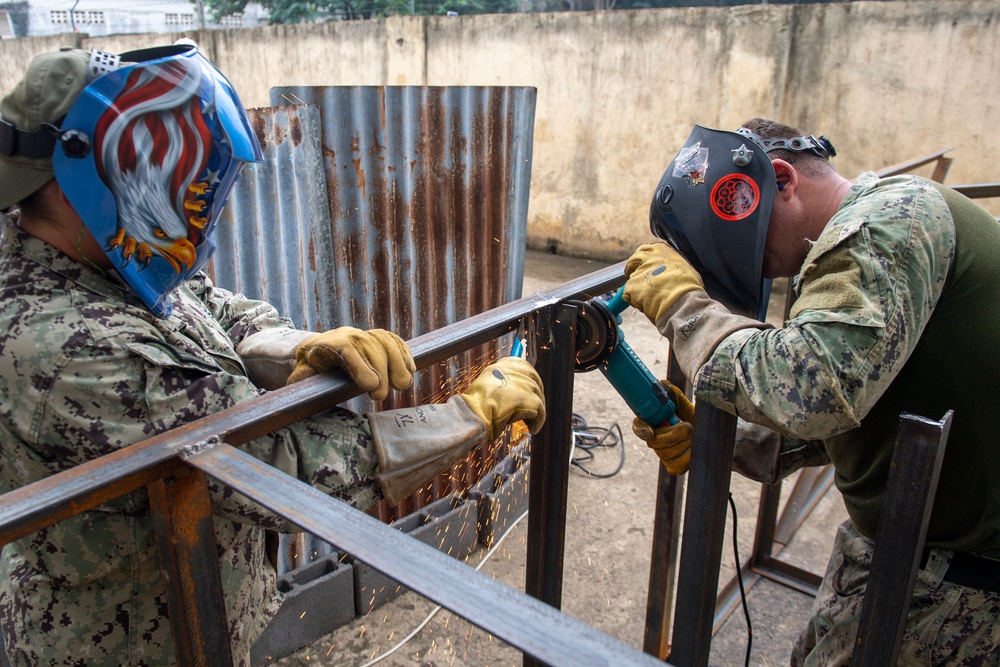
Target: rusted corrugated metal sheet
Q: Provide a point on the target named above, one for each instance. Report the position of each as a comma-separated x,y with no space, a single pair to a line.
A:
415,217
428,196
274,240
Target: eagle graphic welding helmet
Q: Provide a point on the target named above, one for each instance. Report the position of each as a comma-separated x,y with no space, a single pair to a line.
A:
147,156
713,205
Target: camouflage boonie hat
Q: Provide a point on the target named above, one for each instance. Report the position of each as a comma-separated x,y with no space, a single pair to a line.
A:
49,88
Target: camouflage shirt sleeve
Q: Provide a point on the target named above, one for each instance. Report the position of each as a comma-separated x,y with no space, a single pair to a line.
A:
864,294
102,373
238,315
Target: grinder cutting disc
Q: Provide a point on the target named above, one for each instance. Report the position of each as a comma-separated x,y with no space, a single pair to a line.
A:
596,335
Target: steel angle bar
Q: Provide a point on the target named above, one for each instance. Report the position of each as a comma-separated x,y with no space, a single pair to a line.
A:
548,482
87,485
534,627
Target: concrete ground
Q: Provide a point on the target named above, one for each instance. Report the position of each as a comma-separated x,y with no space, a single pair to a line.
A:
608,542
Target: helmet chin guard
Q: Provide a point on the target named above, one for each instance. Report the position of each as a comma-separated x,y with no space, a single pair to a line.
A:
713,205
149,154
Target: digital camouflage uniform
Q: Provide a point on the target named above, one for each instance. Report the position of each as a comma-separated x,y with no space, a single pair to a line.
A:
87,370
897,309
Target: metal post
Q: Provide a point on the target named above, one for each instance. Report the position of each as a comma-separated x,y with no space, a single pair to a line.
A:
663,563
899,540
704,534
189,560
548,480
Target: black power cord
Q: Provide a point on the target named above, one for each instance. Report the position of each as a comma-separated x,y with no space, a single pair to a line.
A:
739,580
589,440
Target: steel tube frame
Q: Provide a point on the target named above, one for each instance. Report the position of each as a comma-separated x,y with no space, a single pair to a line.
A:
537,628
704,534
42,503
548,481
666,539
181,514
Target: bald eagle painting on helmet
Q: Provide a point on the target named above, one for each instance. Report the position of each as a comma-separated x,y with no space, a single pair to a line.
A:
164,140
156,115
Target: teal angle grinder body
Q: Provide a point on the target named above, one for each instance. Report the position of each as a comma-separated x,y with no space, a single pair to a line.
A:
600,344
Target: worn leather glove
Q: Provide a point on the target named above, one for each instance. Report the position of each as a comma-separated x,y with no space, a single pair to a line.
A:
658,276
374,359
672,444
507,391
413,445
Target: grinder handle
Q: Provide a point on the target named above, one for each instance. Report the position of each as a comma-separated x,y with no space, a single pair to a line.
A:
634,382
617,304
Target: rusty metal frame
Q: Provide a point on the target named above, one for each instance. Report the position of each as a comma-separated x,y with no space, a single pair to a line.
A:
174,466
899,541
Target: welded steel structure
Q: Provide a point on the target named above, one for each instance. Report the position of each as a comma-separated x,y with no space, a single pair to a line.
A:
175,466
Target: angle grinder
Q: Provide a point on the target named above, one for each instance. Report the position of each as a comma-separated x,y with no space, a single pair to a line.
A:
600,343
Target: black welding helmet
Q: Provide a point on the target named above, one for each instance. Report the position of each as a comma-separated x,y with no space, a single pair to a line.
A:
713,205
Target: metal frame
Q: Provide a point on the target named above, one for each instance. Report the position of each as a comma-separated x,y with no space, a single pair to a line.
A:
899,540
175,466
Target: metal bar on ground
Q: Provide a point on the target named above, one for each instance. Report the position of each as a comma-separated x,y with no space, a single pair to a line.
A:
548,480
704,534
540,630
189,558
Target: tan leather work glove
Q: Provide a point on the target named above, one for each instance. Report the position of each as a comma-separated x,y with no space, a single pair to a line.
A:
507,391
374,359
672,444
658,276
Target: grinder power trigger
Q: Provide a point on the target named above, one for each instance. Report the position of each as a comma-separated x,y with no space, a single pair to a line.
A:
600,343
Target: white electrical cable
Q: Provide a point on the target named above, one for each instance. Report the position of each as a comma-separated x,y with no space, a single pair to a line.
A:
437,608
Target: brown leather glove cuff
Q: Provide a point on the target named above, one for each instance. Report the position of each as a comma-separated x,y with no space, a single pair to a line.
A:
269,355
696,324
413,445
766,456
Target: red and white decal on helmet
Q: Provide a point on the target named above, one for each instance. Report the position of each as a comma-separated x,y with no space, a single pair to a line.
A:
735,197
691,164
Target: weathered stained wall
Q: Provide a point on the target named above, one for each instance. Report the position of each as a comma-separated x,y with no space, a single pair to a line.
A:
618,91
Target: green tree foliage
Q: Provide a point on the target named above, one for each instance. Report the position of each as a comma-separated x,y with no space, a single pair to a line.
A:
295,11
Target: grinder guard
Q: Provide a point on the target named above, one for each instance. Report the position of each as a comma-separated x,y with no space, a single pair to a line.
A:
713,205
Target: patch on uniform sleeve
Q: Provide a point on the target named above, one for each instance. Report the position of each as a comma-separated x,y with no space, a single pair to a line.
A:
833,285
838,282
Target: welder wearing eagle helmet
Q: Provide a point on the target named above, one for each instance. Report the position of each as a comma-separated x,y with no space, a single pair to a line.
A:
147,156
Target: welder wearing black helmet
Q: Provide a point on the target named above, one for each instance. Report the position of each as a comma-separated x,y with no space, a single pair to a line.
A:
895,287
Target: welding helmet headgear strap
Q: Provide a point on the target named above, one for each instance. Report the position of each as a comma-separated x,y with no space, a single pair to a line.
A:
713,205
162,141
820,147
